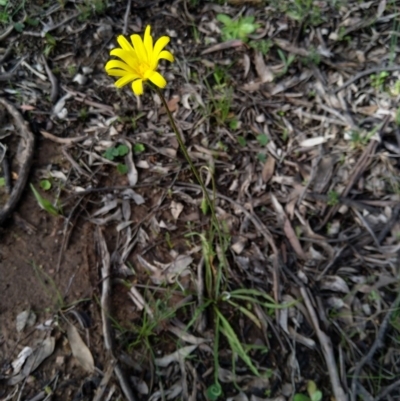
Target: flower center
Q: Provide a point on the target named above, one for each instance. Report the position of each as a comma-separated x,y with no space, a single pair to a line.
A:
143,70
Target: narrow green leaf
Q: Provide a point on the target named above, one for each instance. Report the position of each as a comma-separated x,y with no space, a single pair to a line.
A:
44,203
227,330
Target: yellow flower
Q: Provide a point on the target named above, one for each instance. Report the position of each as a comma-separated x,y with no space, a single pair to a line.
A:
139,61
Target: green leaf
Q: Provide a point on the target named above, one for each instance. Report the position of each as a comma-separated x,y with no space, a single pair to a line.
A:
44,203
122,150
50,39
317,396
204,206
311,387
234,342
301,397
19,27
122,168
139,148
109,154
45,184
224,19
241,141
32,21
2,181
214,391
262,139
3,3
262,157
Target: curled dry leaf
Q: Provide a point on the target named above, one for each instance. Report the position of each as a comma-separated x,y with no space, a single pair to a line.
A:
176,356
42,352
176,209
79,349
25,318
22,357
334,283
264,73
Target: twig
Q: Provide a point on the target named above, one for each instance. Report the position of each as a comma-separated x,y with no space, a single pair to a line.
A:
26,154
369,229
105,313
384,393
327,350
358,170
389,225
377,344
53,81
126,17
63,141
367,72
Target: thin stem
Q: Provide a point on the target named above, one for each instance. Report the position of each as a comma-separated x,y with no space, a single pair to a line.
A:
189,160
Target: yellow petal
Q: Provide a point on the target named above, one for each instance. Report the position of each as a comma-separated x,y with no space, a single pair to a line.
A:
125,80
122,41
117,64
148,42
165,54
129,58
137,87
160,44
118,73
139,47
157,79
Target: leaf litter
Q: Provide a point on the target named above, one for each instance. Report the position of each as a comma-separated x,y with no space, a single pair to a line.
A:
303,153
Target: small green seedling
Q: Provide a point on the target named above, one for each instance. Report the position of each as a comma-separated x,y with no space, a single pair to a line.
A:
114,152
263,46
378,80
237,29
2,182
313,393
139,148
45,204
333,198
286,61
45,185
262,139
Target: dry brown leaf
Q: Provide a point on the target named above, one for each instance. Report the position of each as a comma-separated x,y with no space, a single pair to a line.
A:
268,169
173,104
323,174
292,237
79,349
287,228
264,73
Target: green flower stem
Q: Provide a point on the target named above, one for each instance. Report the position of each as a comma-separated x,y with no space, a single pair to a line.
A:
189,160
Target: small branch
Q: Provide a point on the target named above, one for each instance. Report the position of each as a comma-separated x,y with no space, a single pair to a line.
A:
26,154
377,344
327,350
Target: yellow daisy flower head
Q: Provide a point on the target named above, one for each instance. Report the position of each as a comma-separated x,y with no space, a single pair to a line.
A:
139,61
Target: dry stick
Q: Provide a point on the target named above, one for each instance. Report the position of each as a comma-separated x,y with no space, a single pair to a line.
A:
382,395
53,80
105,313
367,72
126,18
358,170
389,225
377,344
326,350
26,154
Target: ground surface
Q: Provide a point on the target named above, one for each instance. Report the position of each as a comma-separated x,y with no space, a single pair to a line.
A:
290,110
